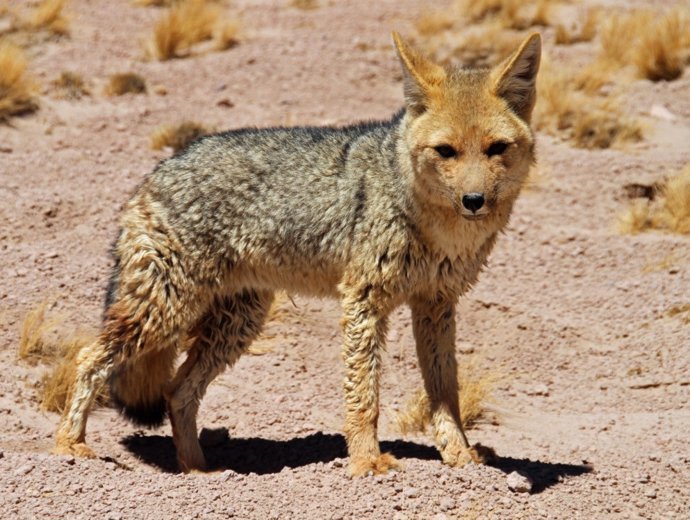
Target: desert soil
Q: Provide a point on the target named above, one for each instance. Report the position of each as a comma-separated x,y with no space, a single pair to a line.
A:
574,317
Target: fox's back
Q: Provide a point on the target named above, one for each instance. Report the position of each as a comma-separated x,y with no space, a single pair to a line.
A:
291,199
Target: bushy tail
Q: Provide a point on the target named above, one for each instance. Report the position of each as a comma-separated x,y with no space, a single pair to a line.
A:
137,386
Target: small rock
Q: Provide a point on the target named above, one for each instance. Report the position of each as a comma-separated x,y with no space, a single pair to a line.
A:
661,112
465,348
539,390
519,483
447,504
650,493
411,493
24,470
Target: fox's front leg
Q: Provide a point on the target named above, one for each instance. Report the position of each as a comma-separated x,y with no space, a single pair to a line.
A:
364,329
433,323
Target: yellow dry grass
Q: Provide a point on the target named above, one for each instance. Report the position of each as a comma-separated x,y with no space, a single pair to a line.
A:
588,121
434,22
17,91
226,34
49,16
512,14
70,85
179,136
42,342
305,4
682,311
656,46
125,83
669,211
584,31
475,392
154,3
187,23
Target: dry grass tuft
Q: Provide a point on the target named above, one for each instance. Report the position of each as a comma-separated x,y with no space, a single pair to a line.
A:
668,211
682,311
17,91
125,83
305,4
476,46
70,85
588,121
187,23
225,34
434,22
656,46
154,3
41,342
585,31
474,393
49,16
179,136
512,14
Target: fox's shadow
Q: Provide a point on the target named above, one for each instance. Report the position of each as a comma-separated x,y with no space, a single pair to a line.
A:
264,456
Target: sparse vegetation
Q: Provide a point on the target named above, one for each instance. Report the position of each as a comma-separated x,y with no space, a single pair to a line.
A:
668,211
125,83
177,137
474,393
512,14
17,91
589,121
187,23
49,16
41,342
656,46
584,31
305,4
225,34
70,85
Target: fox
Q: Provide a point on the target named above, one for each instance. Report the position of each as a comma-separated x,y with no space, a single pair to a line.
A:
376,214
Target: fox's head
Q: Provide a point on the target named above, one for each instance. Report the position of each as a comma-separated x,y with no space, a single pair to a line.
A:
468,130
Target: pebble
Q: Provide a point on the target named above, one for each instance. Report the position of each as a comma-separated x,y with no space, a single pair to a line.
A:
519,483
411,493
446,504
24,470
650,493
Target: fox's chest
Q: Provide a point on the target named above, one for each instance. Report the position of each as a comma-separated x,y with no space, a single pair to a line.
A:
456,269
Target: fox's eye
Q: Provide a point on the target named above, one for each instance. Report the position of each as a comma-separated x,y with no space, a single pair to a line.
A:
497,148
445,151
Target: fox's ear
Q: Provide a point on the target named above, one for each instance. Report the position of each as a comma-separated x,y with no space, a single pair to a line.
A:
420,76
515,79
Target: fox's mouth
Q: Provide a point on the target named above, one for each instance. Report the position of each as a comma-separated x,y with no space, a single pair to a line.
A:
474,216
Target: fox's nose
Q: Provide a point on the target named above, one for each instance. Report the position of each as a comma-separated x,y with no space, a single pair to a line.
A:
473,201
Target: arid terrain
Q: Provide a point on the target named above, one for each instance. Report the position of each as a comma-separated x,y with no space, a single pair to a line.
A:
584,328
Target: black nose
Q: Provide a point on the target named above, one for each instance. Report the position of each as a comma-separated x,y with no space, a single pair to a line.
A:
473,201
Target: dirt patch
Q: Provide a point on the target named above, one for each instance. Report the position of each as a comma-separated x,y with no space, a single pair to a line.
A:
587,327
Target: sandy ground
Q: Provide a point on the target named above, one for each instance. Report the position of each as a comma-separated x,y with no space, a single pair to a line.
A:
595,373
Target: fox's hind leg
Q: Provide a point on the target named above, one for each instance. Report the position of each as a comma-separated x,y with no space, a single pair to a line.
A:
94,365
223,335
433,323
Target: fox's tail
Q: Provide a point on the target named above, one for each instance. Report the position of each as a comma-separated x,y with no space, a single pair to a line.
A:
137,386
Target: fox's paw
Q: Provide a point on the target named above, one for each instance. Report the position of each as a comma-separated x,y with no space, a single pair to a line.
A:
458,456
77,449
381,464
